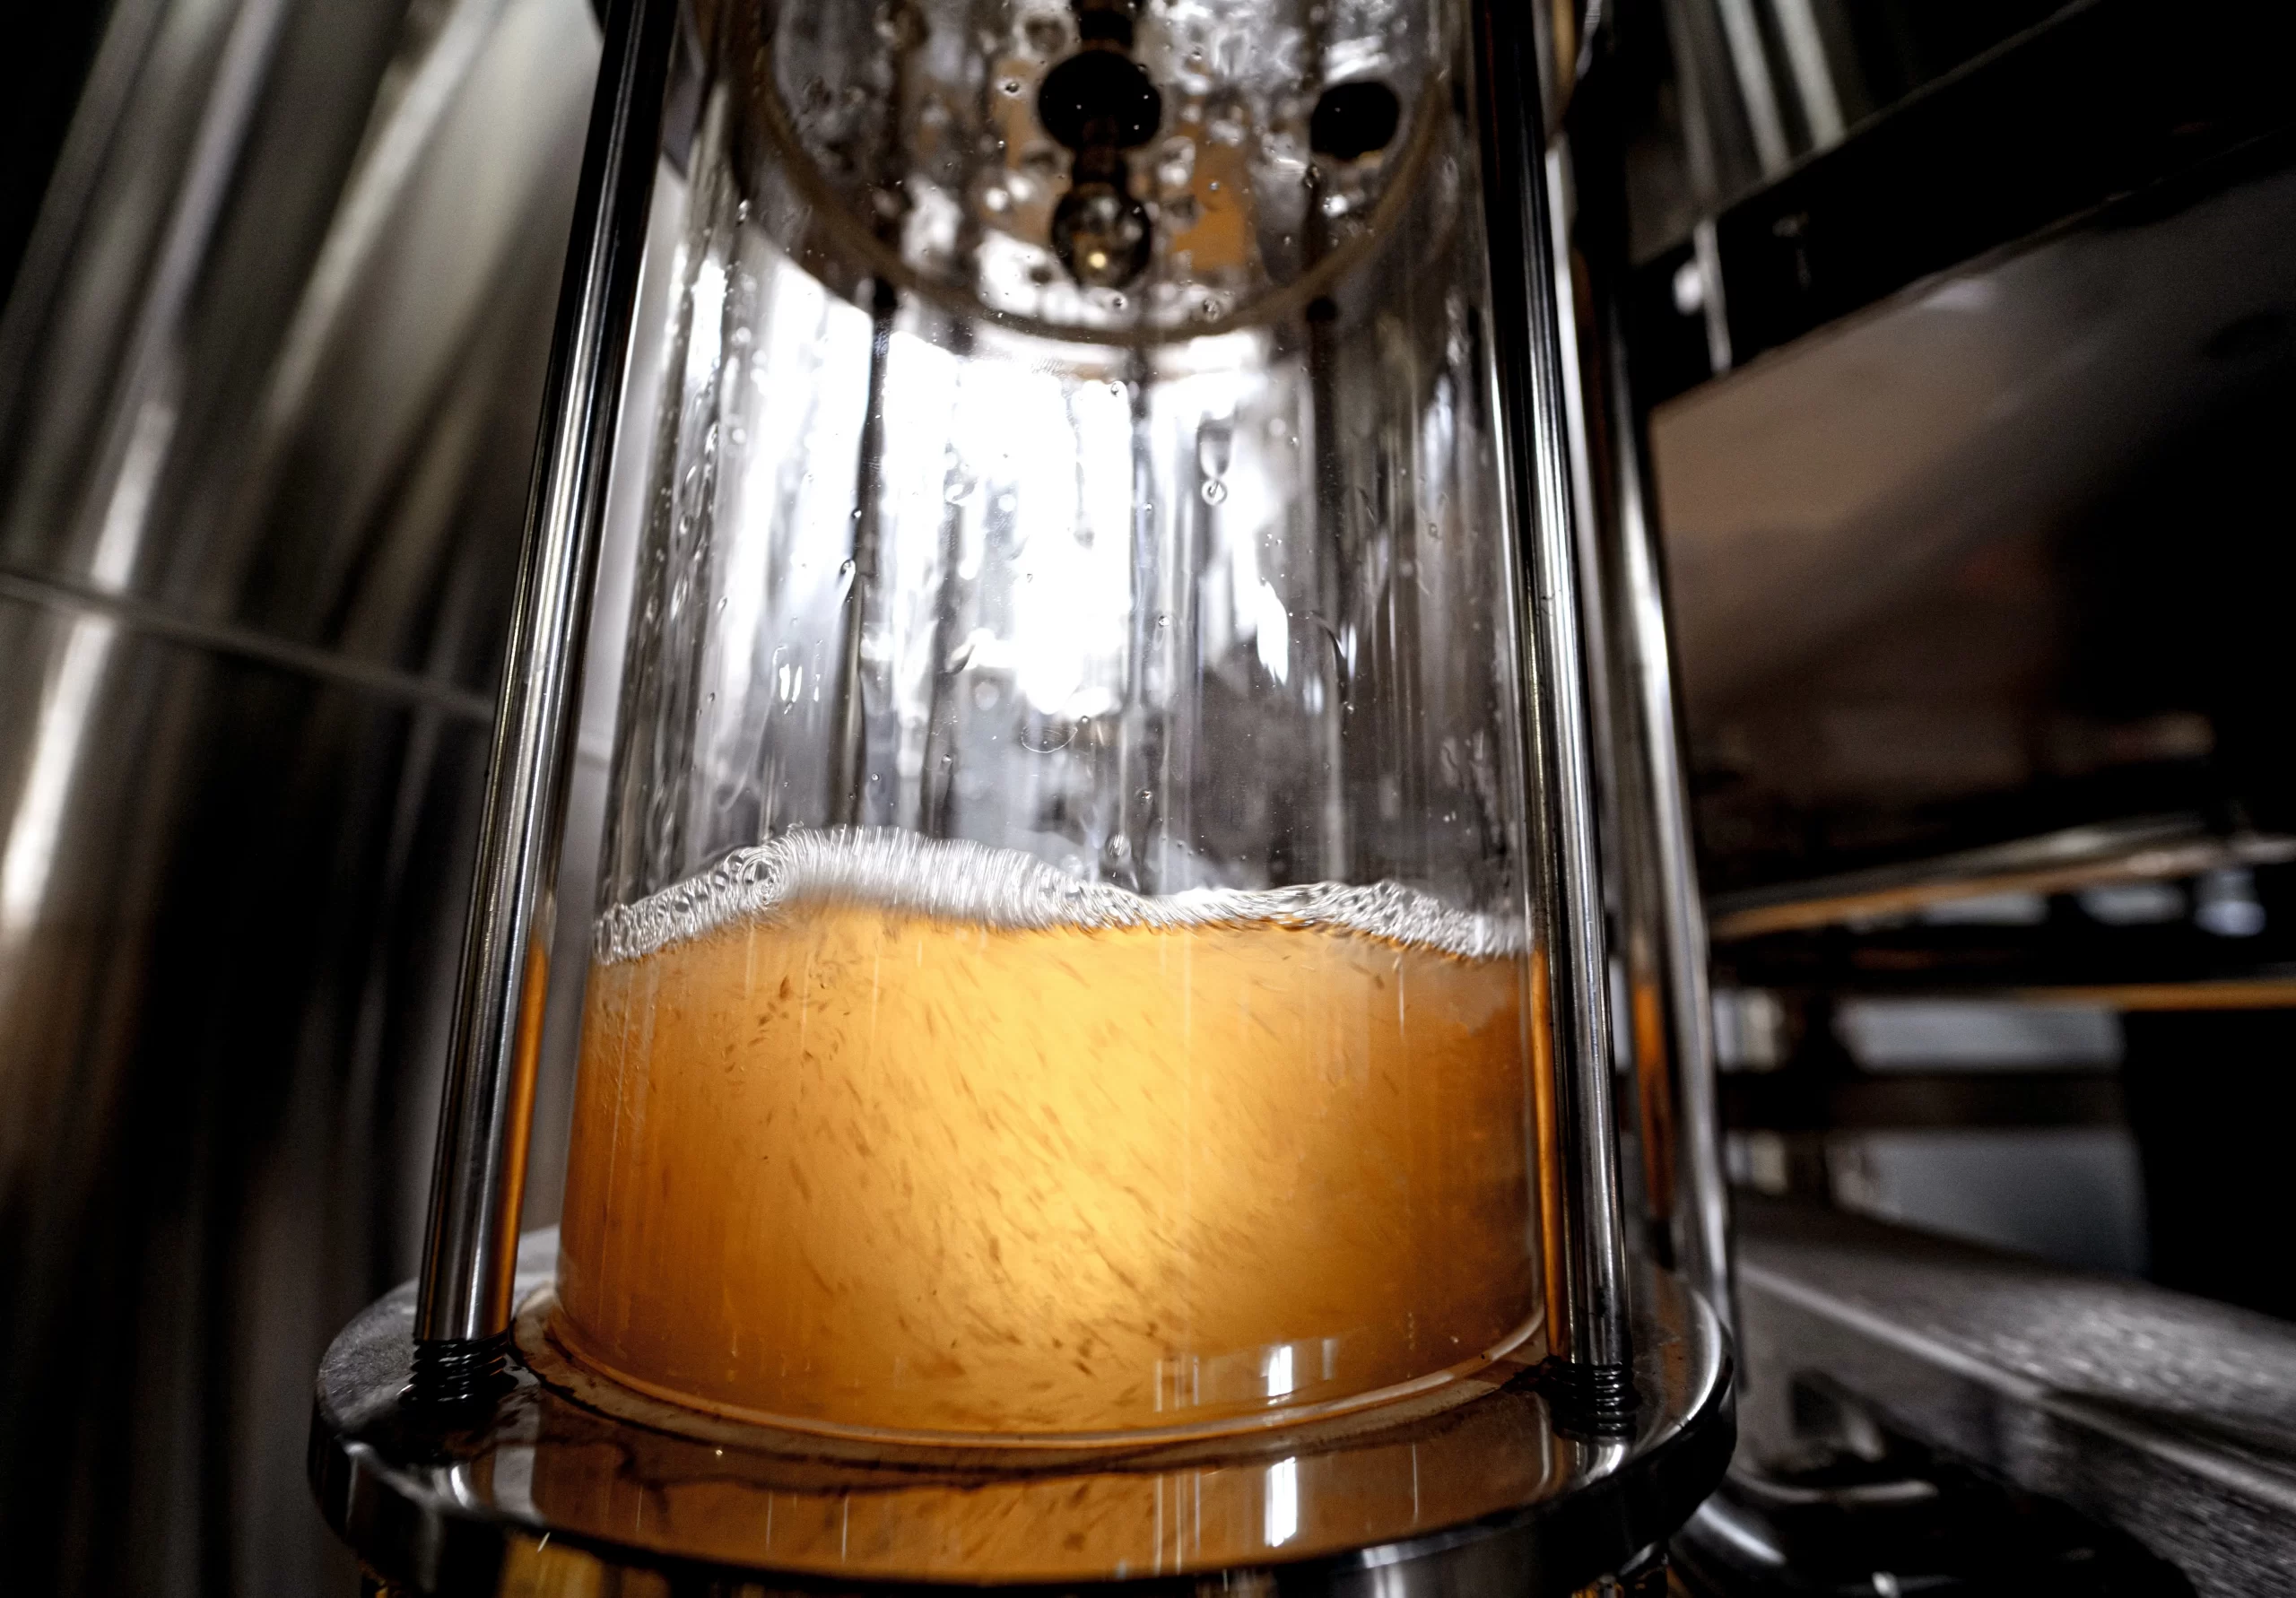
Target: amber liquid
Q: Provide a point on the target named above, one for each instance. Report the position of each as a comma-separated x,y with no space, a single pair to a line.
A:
860,1167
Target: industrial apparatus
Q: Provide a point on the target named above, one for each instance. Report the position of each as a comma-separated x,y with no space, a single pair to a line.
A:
1096,1065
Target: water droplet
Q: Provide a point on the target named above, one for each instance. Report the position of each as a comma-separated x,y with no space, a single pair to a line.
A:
1215,491
1163,620
1011,85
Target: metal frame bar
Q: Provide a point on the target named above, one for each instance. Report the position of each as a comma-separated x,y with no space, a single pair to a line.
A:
478,1182
1701,1222
1662,922
1589,1331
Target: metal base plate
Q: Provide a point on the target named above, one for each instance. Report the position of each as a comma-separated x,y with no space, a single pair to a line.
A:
1442,1493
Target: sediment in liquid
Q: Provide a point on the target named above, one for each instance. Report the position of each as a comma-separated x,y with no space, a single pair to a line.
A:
880,1132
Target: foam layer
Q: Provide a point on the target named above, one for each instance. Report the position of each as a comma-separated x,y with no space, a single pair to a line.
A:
953,880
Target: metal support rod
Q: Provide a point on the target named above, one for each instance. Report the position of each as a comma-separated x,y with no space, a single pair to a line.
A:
1701,1220
479,1180
1595,1347
1661,912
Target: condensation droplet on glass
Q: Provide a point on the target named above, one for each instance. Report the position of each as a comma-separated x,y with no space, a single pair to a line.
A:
1215,491
1163,620
1011,85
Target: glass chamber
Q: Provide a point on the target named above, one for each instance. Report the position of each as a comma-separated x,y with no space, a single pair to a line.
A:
1066,965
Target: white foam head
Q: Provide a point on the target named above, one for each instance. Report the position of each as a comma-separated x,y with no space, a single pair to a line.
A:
953,880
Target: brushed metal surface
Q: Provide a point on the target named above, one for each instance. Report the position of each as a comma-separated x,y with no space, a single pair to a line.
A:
2169,1416
267,387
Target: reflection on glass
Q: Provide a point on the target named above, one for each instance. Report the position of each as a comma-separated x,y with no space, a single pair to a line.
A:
1065,966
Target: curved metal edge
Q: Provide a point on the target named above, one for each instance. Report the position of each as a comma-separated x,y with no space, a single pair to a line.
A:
367,1458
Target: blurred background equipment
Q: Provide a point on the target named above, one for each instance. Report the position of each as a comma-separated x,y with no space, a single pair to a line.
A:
1958,338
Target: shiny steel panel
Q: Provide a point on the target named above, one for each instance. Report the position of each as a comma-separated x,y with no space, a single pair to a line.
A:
268,384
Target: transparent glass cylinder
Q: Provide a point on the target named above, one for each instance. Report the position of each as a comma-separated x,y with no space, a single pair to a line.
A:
1065,965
